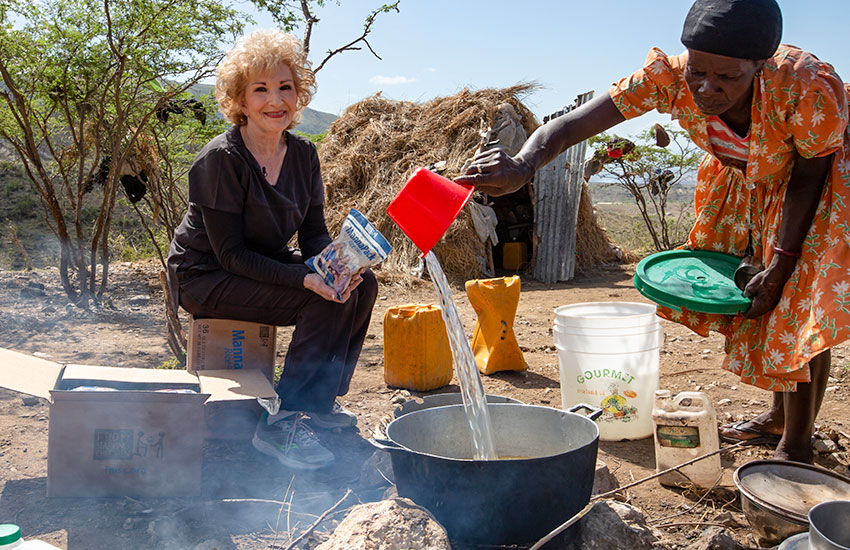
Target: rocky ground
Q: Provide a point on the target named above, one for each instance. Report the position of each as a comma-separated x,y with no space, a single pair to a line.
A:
249,502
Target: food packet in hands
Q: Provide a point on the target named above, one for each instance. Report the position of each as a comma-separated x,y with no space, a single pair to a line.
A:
358,246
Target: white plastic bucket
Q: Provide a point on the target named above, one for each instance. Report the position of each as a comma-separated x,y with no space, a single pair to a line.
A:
606,343
606,315
616,331
608,353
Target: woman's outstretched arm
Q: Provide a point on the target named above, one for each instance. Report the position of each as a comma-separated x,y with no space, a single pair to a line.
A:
495,173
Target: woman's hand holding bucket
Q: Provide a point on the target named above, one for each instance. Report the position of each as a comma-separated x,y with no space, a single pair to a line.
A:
495,173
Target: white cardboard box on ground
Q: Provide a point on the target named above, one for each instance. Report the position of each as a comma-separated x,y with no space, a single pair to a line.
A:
143,438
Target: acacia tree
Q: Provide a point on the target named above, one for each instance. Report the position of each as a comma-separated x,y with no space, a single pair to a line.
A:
81,81
649,172
181,129
291,14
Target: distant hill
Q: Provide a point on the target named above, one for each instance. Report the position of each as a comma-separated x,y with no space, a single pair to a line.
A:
315,122
312,121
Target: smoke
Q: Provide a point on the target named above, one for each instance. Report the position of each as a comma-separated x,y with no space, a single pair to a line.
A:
247,495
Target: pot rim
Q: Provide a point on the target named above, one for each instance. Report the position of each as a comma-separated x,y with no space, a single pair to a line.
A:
423,402
788,515
400,447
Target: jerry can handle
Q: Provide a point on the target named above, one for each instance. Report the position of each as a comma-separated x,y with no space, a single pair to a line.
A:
702,397
592,412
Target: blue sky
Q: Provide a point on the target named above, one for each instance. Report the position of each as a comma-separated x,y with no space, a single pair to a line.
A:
436,48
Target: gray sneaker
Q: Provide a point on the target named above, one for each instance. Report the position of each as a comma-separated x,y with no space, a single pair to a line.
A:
292,443
338,417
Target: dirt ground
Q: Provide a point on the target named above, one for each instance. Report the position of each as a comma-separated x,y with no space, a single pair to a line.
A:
241,503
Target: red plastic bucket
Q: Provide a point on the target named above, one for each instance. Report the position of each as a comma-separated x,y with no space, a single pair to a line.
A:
426,206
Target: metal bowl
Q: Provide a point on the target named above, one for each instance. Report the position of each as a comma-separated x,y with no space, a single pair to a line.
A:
776,495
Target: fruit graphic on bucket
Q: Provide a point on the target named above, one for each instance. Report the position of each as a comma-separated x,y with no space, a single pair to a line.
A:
426,206
616,407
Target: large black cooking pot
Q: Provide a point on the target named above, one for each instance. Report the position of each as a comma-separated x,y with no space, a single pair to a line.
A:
545,478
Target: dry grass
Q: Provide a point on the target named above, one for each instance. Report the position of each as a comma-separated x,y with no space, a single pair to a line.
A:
376,145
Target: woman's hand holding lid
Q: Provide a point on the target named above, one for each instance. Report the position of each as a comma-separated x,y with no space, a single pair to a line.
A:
765,288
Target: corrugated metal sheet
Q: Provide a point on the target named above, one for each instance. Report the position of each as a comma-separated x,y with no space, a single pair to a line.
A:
557,193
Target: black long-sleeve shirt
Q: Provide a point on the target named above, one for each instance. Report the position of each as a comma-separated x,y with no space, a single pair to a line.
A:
237,223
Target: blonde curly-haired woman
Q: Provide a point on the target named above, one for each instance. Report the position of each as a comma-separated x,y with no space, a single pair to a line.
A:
251,189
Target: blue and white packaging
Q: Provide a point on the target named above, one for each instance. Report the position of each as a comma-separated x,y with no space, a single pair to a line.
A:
358,246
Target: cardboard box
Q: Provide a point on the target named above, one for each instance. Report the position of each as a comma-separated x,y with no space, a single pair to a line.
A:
233,409
134,432
228,344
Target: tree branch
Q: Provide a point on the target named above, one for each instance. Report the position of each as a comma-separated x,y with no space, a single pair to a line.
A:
109,36
367,28
316,523
165,7
309,20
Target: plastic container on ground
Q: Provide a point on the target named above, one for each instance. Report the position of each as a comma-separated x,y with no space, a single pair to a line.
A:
494,342
608,353
685,428
10,537
606,315
514,255
621,384
609,344
416,348
616,331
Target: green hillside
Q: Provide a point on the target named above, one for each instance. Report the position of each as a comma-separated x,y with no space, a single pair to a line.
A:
315,122
312,121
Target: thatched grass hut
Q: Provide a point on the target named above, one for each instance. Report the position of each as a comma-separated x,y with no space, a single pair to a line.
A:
375,146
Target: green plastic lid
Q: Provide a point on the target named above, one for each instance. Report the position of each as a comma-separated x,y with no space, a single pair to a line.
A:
697,280
9,533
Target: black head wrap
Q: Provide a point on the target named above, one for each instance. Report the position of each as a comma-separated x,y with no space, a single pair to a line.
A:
745,29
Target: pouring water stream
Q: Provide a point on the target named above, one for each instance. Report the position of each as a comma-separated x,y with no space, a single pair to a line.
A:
472,391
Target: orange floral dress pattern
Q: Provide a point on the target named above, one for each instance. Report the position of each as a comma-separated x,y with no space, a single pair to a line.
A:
799,105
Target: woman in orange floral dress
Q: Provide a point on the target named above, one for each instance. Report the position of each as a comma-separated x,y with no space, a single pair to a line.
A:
774,184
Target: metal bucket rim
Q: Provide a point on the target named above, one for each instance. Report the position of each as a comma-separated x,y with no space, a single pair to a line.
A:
788,515
450,459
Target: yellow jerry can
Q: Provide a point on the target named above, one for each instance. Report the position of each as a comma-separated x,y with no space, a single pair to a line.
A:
417,355
494,343
514,255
